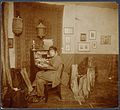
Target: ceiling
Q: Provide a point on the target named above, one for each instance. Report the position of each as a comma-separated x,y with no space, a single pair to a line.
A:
113,5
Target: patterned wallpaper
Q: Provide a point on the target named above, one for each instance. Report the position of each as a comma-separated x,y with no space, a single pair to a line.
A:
31,13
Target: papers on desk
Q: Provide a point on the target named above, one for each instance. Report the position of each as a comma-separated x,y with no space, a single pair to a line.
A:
41,62
39,54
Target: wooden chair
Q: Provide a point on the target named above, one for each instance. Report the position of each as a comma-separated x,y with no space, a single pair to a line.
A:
48,86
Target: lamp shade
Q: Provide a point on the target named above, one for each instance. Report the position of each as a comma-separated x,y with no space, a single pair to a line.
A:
41,30
17,25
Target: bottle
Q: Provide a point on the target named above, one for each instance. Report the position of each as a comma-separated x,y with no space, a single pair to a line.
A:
33,45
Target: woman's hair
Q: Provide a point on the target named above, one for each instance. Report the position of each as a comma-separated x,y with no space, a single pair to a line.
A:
53,48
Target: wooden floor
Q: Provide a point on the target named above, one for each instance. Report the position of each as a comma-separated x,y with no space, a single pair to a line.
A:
67,101
104,95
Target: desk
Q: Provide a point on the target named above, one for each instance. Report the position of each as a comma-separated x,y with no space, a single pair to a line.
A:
33,68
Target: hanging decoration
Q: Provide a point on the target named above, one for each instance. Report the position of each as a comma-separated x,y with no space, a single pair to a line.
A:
41,30
17,25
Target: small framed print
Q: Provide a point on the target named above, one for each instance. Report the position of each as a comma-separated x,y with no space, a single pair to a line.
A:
10,42
94,44
68,30
92,34
105,40
84,47
67,39
67,48
83,37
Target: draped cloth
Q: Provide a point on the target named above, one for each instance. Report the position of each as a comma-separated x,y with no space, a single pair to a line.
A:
81,90
74,83
26,79
6,76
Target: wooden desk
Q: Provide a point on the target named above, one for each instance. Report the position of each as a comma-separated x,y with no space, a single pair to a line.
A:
33,68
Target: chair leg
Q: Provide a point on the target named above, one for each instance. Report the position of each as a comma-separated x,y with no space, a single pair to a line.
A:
46,93
59,91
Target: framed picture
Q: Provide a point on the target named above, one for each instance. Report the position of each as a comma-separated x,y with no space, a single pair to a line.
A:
67,48
92,34
68,30
94,44
83,37
84,47
10,42
67,39
105,40
47,43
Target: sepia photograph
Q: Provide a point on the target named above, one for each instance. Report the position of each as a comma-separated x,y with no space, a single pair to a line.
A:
68,30
94,44
84,46
10,42
105,40
59,55
83,37
68,47
67,40
92,35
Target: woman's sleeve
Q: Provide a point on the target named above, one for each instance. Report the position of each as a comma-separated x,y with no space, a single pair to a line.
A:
55,64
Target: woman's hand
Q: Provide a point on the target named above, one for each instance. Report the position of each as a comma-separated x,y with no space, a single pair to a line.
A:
43,65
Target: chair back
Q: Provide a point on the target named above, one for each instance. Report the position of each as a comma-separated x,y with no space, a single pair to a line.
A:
62,68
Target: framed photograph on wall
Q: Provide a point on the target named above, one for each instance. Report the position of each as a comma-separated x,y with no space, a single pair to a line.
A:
68,30
84,47
94,44
92,34
10,42
67,39
83,37
67,48
105,40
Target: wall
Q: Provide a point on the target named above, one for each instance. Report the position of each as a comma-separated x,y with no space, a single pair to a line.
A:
85,18
105,22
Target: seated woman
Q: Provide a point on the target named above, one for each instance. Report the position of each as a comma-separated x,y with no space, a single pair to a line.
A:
51,74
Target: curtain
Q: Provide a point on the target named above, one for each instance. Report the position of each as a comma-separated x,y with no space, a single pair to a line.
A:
6,76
